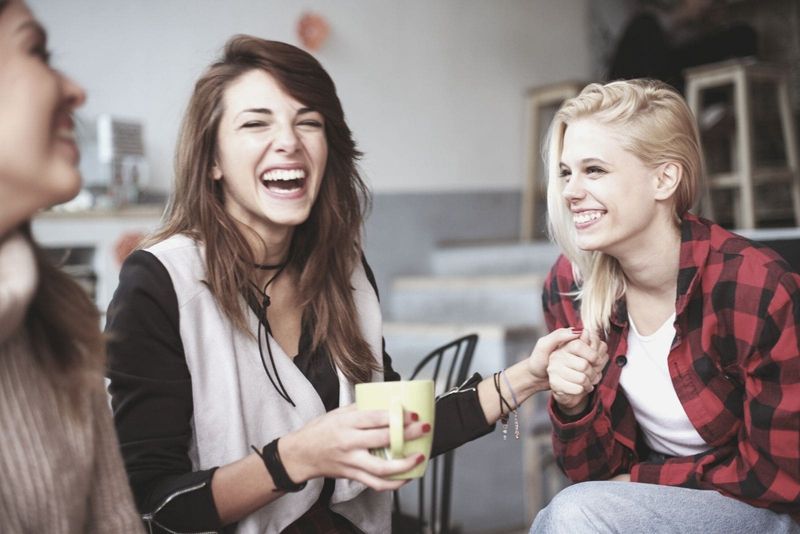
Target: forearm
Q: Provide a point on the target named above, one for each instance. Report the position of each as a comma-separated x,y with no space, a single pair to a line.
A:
586,446
242,487
523,383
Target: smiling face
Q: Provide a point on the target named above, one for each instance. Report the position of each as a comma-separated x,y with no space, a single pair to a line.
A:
271,155
610,192
38,153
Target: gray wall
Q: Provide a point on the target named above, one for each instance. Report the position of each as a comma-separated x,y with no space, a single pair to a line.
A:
404,228
432,89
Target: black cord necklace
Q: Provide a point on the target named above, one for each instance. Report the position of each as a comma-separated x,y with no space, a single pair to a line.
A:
263,321
269,267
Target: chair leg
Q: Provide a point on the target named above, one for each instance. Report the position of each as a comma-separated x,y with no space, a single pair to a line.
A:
745,216
693,99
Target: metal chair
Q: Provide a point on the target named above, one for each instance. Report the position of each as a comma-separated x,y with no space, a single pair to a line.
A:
448,367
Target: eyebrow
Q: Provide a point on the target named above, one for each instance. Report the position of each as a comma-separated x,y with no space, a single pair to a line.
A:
267,111
586,161
32,25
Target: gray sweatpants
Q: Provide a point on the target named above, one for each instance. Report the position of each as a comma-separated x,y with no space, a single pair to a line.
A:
629,507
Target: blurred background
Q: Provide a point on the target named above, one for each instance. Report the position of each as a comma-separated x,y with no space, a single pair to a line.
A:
448,99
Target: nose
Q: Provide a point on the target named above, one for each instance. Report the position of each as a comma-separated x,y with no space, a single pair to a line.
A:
573,189
286,139
74,94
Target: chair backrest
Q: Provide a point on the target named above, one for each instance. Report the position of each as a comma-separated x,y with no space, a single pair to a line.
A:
448,367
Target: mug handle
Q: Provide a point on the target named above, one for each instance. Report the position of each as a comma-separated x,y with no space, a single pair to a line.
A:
396,439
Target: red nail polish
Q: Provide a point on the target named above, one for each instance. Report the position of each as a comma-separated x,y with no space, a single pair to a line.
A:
420,458
577,330
426,427
414,416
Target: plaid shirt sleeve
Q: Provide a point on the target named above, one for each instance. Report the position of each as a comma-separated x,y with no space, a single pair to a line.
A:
589,446
761,465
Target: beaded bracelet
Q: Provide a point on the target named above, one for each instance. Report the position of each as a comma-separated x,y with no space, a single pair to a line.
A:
504,415
516,403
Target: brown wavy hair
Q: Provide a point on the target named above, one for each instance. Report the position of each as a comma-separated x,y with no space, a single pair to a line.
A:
64,328
325,249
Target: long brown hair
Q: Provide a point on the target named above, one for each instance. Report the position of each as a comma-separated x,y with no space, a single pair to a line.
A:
64,325
325,249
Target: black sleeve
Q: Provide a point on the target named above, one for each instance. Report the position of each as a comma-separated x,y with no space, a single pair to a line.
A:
459,417
151,395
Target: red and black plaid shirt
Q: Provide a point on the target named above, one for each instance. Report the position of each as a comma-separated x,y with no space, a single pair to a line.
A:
734,363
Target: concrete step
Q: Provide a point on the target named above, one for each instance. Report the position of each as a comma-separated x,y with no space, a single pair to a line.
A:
494,258
510,300
498,345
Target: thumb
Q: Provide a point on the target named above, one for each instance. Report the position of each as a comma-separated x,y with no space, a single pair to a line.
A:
555,339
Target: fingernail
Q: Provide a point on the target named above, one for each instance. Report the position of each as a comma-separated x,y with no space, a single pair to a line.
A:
577,330
426,427
420,458
414,416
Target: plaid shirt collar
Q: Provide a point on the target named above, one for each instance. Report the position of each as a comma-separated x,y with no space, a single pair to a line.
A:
695,246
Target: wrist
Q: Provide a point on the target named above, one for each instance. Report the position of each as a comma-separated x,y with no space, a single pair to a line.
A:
295,463
532,382
572,410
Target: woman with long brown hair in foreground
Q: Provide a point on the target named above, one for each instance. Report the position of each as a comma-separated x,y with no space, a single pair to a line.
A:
250,316
59,457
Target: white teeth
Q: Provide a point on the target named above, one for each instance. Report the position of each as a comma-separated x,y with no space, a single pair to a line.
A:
586,216
283,175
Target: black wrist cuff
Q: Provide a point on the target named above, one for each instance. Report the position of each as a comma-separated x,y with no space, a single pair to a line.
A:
272,460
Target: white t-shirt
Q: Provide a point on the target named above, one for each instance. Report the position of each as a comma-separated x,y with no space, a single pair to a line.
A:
648,386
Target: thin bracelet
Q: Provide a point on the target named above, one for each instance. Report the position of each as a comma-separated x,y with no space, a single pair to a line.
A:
516,405
504,416
508,383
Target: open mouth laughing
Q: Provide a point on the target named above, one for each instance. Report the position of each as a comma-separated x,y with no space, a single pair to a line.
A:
284,181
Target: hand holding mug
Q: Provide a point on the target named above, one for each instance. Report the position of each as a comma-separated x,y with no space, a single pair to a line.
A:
337,445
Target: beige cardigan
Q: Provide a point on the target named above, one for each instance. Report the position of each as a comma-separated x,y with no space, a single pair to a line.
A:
60,472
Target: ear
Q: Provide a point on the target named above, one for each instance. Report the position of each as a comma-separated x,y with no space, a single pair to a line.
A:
668,178
216,172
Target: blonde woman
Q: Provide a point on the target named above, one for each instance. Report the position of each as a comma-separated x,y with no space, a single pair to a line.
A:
59,457
695,425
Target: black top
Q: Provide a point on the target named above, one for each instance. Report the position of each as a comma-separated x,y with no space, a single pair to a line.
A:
151,393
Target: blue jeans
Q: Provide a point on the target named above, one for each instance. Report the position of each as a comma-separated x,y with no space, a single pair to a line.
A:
630,507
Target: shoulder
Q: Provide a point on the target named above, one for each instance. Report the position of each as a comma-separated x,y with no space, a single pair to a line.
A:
183,258
177,249
748,262
143,270
561,277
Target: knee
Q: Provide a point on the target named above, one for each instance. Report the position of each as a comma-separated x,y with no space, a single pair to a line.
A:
571,510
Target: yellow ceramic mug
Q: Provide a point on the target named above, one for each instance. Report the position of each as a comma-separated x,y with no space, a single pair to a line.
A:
411,395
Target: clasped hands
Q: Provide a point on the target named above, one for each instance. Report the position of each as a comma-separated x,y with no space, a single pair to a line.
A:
572,362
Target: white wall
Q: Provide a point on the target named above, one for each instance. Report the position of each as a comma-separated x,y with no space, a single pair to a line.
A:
433,89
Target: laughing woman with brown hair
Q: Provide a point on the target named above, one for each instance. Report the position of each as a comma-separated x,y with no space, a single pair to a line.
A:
59,456
247,320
